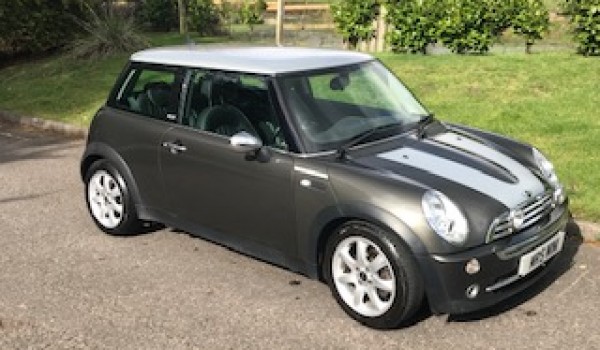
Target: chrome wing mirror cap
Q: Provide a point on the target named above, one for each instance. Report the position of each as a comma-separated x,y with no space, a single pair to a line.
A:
245,142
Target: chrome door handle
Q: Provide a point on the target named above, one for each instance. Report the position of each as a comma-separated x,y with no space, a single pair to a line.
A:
174,147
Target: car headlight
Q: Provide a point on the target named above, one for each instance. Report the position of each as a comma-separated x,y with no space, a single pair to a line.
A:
444,217
547,170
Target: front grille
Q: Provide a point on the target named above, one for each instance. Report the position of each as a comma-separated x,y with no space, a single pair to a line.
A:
533,211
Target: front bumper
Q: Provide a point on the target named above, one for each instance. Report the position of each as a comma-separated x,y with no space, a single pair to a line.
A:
446,282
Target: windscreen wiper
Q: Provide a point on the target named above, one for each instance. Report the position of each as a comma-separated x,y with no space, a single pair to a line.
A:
360,138
428,125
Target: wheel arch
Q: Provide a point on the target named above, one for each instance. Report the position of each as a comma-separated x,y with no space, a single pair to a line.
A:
98,151
330,220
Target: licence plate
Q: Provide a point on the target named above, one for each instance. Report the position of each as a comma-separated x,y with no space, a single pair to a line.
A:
541,254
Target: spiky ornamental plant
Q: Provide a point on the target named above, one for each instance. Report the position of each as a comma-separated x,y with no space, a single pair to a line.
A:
107,33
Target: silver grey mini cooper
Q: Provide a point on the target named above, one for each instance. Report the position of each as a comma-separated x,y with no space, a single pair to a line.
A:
323,162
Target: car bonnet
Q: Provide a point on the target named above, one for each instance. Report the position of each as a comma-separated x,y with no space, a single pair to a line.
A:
461,159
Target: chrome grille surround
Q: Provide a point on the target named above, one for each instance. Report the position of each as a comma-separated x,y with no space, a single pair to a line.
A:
528,212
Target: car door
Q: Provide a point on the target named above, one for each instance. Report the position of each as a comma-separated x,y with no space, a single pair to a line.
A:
209,183
140,110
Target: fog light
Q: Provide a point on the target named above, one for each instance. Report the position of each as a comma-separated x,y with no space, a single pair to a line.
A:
472,266
472,291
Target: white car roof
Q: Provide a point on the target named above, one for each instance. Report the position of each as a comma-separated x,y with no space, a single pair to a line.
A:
259,60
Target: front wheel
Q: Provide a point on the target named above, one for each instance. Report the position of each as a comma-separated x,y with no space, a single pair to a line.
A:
372,275
109,201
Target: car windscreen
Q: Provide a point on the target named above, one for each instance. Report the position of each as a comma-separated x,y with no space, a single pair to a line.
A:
335,106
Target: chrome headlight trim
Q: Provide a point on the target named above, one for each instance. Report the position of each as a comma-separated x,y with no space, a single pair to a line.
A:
547,169
445,218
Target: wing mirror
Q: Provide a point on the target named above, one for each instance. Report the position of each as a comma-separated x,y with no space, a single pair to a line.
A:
245,142
251,145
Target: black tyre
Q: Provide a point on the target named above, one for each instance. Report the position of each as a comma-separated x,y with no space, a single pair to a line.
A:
372,275
109,201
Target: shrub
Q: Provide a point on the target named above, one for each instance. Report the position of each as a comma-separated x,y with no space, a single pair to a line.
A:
158,15
354,19
531,21
33,26
414,24
467,28
203,17
251,13
108,33
585,19
230,12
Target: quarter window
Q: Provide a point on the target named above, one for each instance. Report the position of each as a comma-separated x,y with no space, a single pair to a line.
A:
152,92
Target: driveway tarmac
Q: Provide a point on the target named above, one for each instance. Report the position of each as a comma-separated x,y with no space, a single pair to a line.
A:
64,284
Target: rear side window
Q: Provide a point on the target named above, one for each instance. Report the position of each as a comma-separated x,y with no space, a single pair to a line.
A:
152,92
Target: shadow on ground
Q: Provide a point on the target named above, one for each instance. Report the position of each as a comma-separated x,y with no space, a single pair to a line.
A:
18,143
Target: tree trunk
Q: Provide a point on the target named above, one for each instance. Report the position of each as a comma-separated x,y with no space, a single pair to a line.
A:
528,46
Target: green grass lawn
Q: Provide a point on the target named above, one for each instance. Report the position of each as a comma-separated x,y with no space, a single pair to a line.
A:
551,100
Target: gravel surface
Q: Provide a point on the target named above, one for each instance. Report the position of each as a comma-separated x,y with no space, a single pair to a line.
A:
64,284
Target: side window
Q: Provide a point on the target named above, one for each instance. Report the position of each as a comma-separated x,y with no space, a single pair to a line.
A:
227,103
152,92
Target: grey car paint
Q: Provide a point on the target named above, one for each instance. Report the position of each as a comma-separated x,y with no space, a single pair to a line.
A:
358,188
312,194
251,200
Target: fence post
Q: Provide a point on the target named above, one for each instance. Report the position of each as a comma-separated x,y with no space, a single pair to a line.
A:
182,17
381,29
279,25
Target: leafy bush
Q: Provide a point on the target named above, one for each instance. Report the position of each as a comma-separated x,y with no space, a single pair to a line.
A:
469,26
160,15
414,24
531,21
33,26
251,13
354,19
203,17
585,19
108,33
230,12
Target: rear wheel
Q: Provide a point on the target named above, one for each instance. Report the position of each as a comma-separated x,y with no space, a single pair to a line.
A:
372,275
109,201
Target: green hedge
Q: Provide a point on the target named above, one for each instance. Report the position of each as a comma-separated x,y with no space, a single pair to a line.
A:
464,26
415,24
159,15
33,26
204,17
354,19
585,19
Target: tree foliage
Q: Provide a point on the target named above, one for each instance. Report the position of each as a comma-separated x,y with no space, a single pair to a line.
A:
585,19
354,19
204,17
252,13
531,20
415,24
472,26
464,26
33,26
160,15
